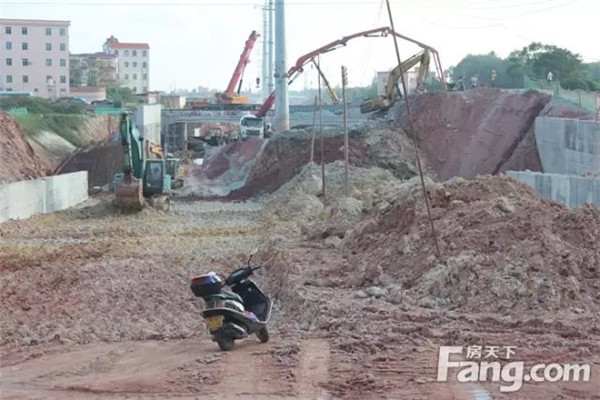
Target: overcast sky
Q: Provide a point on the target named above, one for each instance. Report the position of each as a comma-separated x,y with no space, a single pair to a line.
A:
198,42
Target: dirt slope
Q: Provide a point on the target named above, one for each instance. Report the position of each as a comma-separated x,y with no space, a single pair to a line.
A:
476,132
18,160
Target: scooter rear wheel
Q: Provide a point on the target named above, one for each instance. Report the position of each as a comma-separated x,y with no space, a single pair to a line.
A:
263,335
225,342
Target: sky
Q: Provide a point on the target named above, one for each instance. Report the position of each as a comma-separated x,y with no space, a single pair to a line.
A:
198,42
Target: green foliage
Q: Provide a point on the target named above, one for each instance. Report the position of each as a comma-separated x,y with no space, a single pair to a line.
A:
574,84
537,59
38,105
481,66
120,95
65,125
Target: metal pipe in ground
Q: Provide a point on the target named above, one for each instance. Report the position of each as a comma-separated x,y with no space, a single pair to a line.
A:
346,141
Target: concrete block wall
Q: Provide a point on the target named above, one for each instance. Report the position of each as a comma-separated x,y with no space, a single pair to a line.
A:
568,146
148,120
23,199
572,191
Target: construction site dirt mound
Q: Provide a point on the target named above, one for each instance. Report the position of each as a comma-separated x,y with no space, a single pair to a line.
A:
18,160
477,132
504,249
224,169
100,162
286,154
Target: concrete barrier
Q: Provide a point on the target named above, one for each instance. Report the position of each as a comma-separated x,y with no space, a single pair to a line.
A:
42,196
570,190
568,146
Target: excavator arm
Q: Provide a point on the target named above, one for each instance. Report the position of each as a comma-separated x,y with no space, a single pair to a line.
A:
382,103
298,67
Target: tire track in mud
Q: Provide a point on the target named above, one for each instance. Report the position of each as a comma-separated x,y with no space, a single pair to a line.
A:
313,369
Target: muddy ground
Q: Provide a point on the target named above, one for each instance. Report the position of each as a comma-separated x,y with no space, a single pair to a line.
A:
96,305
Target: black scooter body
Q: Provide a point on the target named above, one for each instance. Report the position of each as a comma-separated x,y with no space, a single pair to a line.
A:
243,311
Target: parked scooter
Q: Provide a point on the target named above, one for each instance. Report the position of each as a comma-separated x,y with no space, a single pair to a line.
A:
233,314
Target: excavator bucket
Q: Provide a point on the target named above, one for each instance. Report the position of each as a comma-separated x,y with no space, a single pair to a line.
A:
128,194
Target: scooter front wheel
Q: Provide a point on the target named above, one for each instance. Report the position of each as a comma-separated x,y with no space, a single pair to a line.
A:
225,342
263,335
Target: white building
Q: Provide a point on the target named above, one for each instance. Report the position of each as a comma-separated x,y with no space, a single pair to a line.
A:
34,57
133,63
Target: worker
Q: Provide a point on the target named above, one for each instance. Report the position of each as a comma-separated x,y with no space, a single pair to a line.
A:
493,77
549,76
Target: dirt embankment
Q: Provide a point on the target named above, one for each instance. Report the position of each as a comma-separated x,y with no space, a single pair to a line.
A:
477,131
284,156
18,160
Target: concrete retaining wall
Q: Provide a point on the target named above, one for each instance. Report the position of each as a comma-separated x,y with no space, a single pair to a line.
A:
573,191
148,120
41,196
568,146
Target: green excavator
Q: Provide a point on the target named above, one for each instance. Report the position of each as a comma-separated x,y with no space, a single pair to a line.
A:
144,180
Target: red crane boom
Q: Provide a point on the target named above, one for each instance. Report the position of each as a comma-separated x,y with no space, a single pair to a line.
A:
230,96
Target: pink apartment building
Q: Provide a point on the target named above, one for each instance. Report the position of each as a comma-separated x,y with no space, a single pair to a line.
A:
34,57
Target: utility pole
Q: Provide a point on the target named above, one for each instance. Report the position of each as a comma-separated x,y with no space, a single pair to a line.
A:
282,106
322,137
346,151
271,74
265,52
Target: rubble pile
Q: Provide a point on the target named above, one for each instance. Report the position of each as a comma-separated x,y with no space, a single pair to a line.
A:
504,250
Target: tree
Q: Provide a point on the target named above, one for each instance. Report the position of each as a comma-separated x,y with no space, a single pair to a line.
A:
537,59
120,95
481,65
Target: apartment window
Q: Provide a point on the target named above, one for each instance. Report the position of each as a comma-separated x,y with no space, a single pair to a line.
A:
63,31
126,53
9,61
63,47
8,46
134,53
126,76
49,80
24,30
25,62
134,76
24,46
144,53
145,76
134,65
144,64
134,89
48,46
63,90
63,62
36,90
8,30
117,52
9,79
126,64
25,79
63,79
48,31
48,62
9,89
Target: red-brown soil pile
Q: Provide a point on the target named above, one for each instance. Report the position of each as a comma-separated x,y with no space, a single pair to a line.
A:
505,250
477,132
17,159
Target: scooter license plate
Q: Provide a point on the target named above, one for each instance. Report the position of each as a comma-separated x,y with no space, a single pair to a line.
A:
214,323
